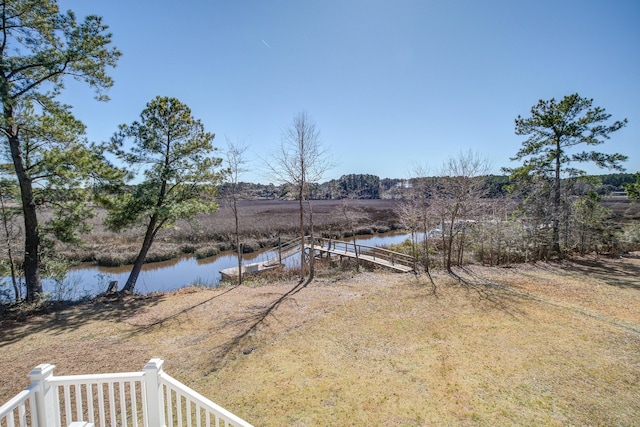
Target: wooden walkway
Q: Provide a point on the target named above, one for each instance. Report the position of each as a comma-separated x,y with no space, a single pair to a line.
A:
370,254
254,268
330,248
281,253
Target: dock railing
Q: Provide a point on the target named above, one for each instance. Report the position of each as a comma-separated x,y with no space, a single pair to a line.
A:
148,398
374,254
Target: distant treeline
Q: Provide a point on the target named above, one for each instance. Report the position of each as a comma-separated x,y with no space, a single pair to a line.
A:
365,186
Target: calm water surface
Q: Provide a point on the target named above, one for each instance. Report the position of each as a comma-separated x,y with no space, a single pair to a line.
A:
88,280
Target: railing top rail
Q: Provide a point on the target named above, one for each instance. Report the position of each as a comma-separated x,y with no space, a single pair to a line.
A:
196,397
292,242
42,403
397,255
16,401
363,246
95,378
393,254
288,242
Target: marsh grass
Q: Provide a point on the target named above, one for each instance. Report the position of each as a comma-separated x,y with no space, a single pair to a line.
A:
206,252
263,223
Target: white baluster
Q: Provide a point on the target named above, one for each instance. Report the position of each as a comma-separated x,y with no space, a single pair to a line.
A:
155,400
45,401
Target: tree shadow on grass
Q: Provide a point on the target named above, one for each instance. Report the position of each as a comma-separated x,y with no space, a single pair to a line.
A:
59,317
248,325
161,321
499,296
614,272
425,278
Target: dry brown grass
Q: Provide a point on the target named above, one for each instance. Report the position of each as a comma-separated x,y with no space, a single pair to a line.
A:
262,223
549,344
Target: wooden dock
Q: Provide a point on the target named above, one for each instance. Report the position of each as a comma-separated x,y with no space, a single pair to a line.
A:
370,254
372,259
255,268
330,248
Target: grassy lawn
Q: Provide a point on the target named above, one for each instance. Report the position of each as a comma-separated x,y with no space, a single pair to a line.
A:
550,344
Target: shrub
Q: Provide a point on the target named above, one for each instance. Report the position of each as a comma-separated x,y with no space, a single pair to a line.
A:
207,251
115,260
157,256
630,238
188,248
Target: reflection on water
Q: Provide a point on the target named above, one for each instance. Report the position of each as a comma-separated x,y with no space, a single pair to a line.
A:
383,239
180,272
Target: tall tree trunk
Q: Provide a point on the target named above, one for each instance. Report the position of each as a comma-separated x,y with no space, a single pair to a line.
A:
139,262
152,228
449,250
450,239
352,229
425,233
31,264
7,232
312,268
237,226
461,248
301,200
556,203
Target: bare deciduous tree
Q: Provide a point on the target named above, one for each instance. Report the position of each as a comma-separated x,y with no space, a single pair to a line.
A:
410,216
300,161
422,188
236,166
457,201
353,215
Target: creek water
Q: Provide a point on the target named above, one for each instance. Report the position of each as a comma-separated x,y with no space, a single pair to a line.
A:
88,280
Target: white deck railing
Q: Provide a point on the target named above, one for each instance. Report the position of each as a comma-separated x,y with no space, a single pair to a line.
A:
148,398
18,410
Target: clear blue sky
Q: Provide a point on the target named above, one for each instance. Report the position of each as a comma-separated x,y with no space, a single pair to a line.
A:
390,84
